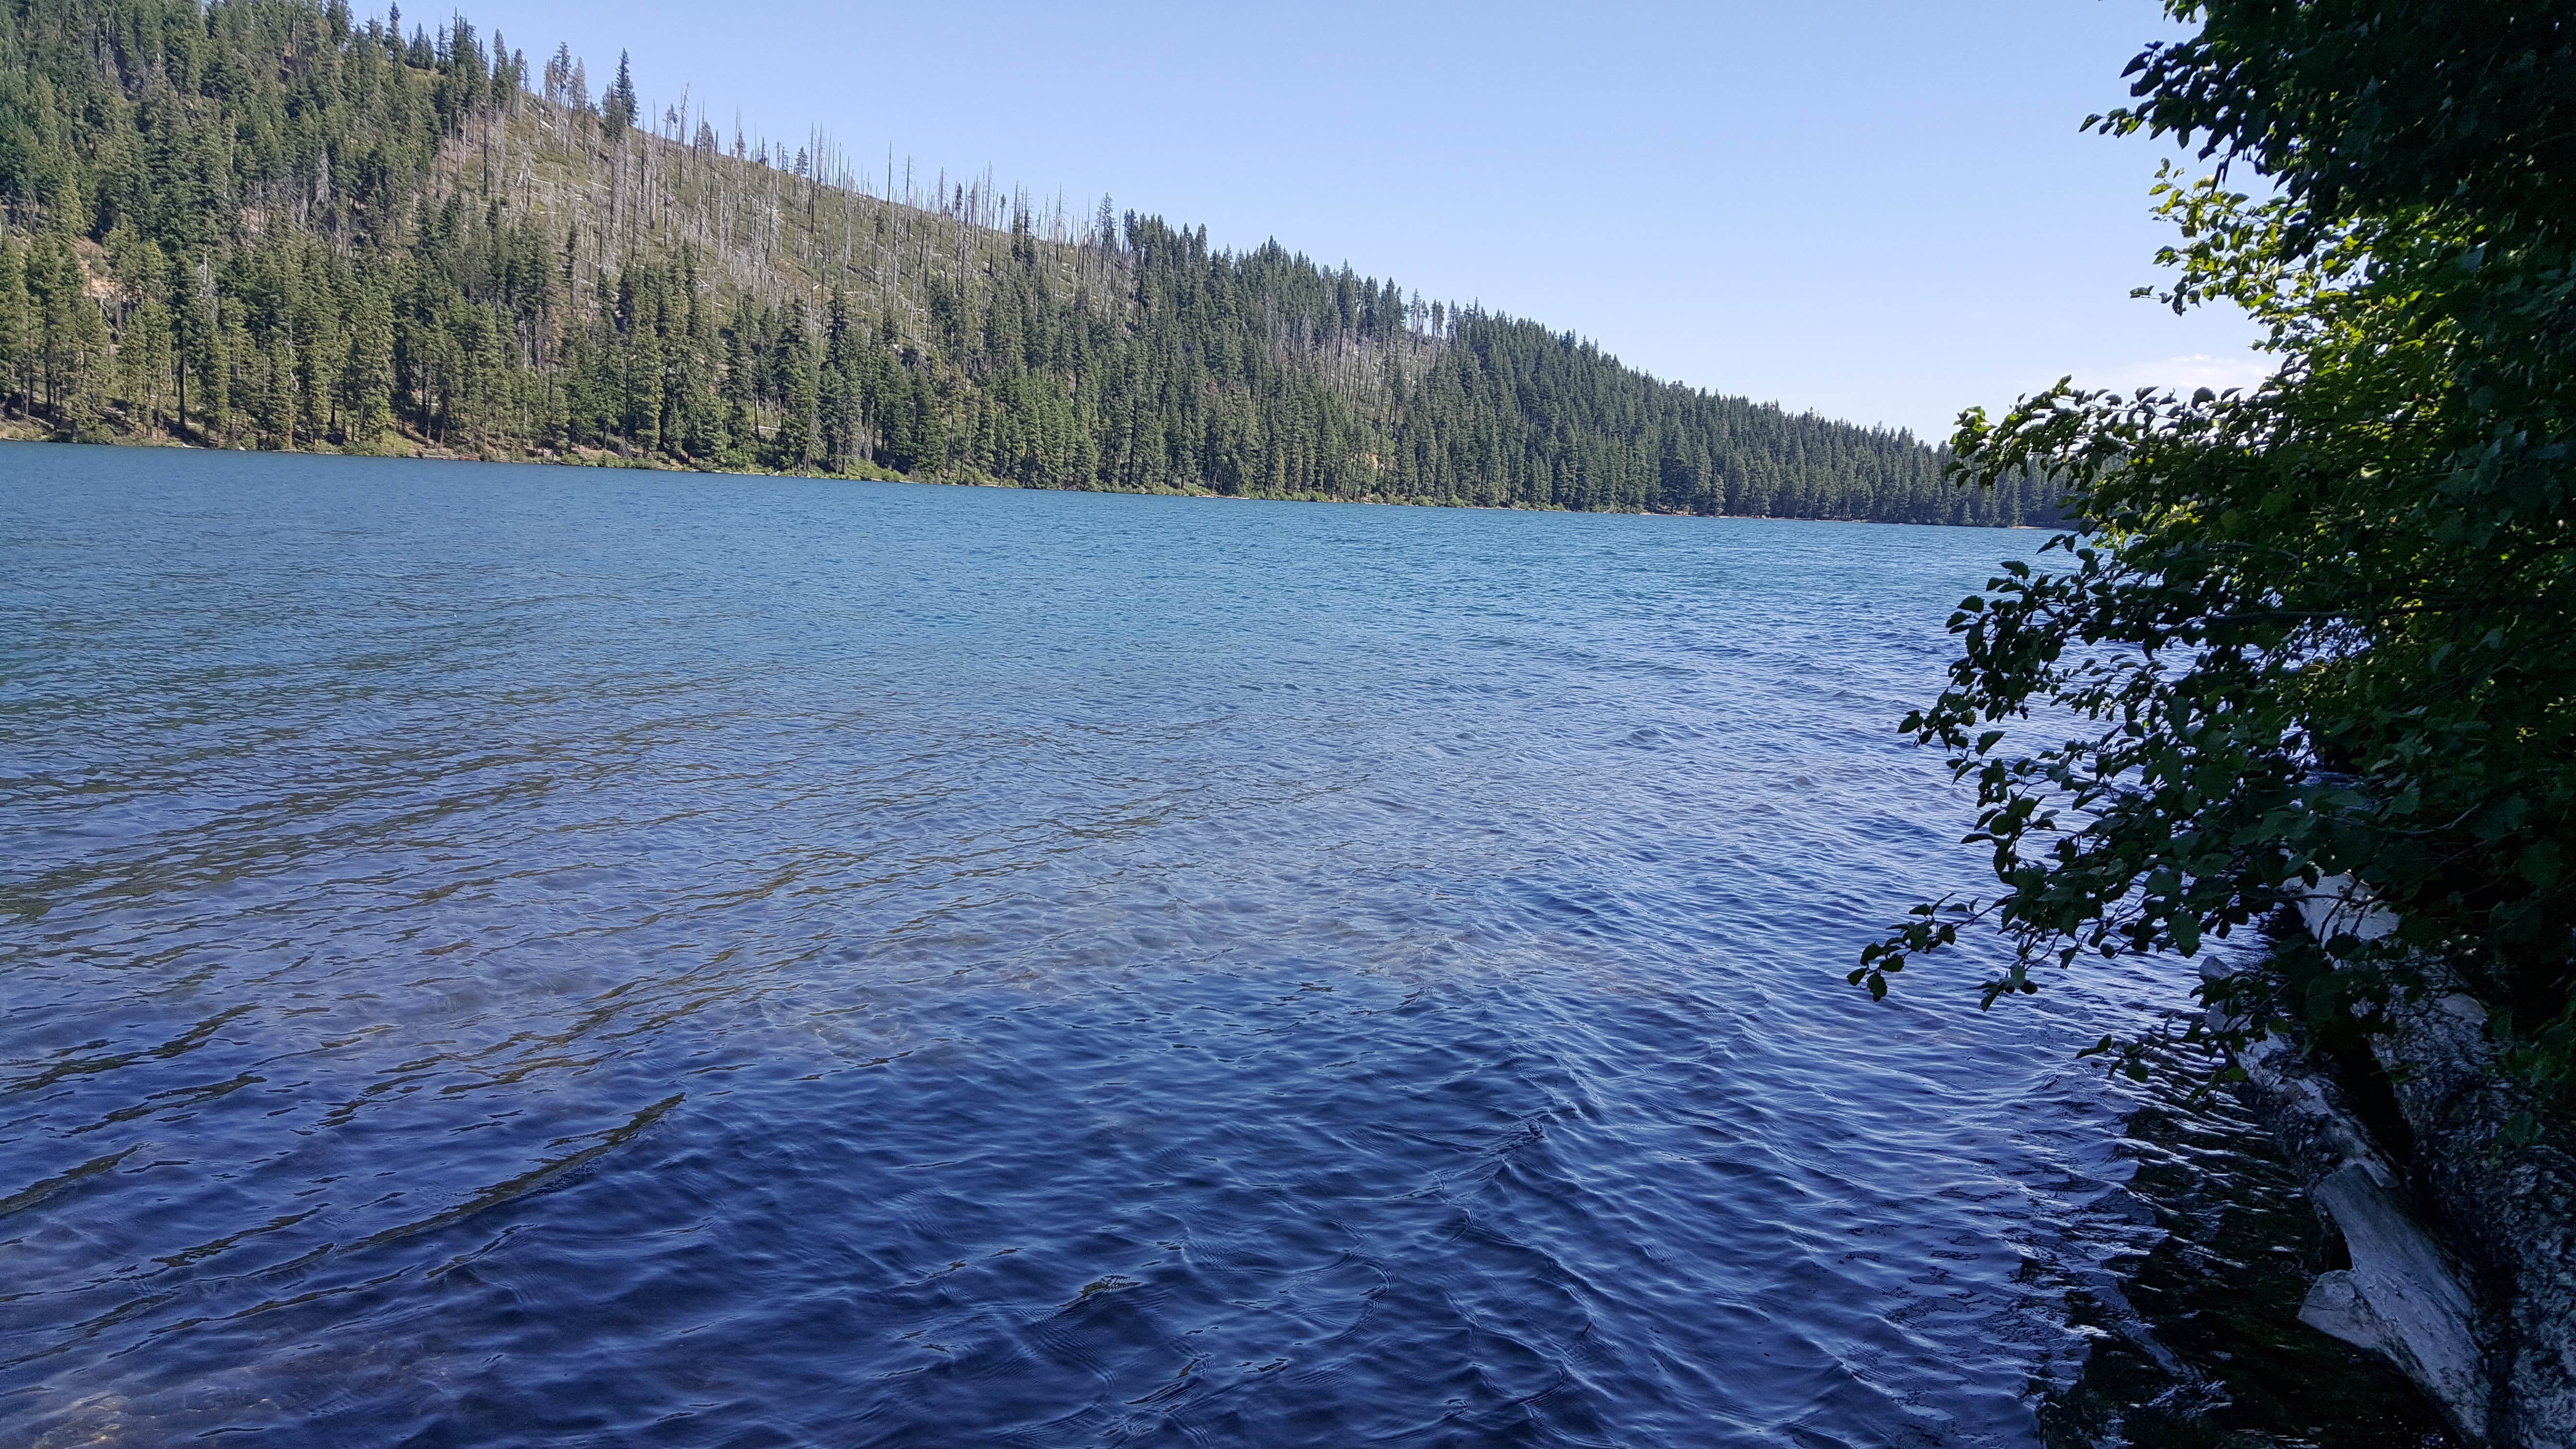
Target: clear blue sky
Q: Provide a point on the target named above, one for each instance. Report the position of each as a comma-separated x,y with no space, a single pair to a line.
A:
1880,211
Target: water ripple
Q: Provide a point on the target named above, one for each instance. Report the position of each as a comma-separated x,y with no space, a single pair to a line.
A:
501,954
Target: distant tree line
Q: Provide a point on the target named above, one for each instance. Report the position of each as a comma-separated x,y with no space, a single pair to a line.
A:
264,223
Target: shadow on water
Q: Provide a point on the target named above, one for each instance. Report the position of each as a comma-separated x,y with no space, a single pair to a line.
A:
2197,1339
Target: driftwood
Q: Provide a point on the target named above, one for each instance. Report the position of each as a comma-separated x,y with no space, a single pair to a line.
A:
2463,1250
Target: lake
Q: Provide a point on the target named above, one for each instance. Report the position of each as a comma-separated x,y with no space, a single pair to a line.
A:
498,953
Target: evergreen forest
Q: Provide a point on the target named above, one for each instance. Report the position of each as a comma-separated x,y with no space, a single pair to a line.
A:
266,223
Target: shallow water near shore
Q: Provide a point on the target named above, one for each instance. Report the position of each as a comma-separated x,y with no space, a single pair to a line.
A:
525,953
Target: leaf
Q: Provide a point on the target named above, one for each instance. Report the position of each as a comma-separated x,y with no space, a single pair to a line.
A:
2321,625
2540,864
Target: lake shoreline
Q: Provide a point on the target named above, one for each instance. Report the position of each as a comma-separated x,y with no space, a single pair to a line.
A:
19,430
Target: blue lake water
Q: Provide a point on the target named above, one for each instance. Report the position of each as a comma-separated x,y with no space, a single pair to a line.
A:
497,954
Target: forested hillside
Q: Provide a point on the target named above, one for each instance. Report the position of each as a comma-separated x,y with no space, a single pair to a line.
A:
265,223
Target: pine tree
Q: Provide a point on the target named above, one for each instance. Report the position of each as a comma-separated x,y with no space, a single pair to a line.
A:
367,380
201,355
742,422
14,328
618,107
793,446
837,391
